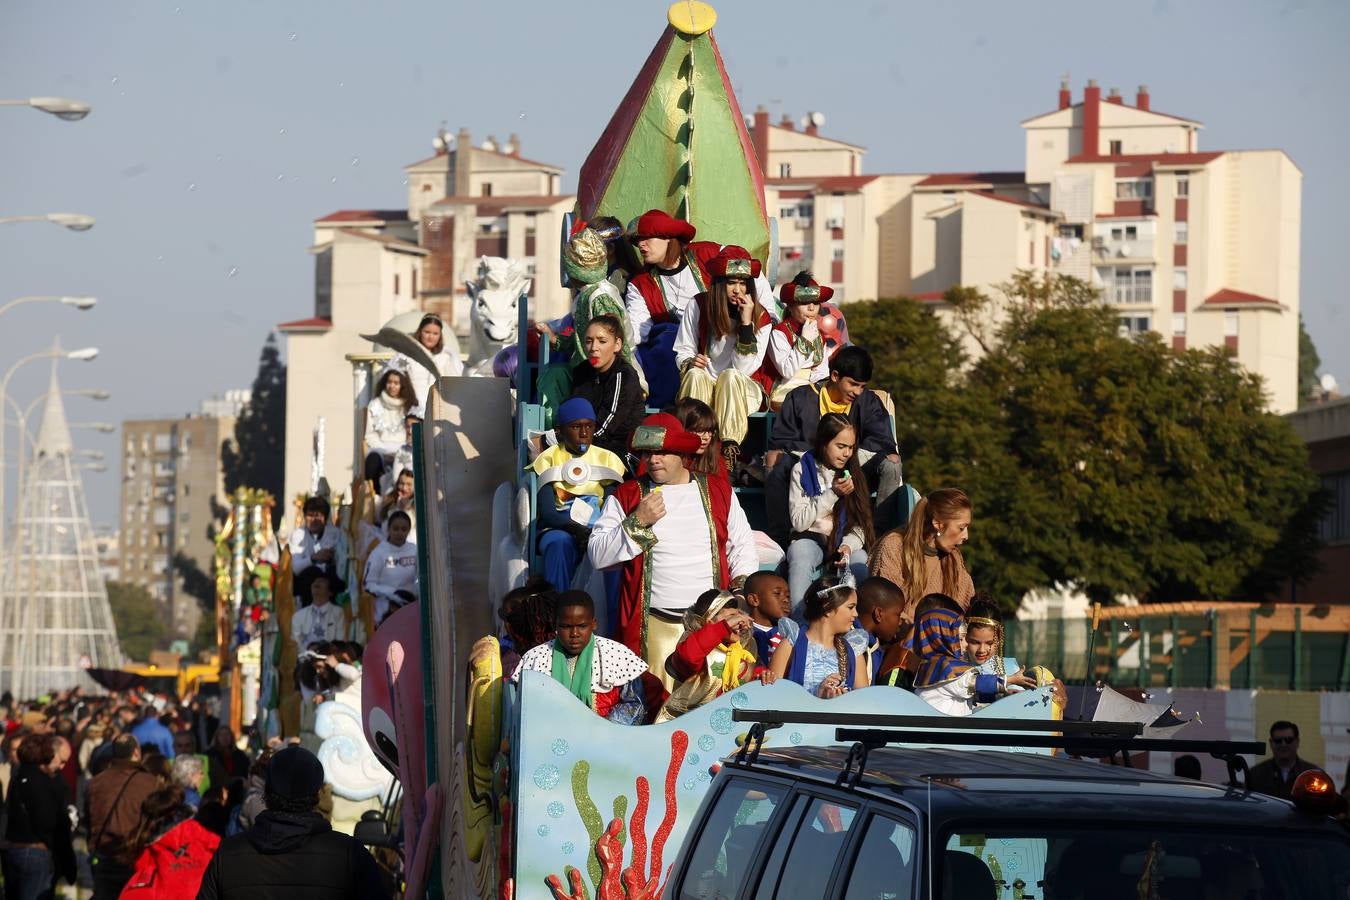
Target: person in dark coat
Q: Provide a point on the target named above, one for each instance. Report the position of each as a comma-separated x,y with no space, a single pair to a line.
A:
1276,776
794,433
225,761
291,852
38,830
610,384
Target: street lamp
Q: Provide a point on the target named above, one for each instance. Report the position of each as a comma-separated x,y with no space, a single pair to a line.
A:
73,221
94,467
96,455
84,353
61,107
78,302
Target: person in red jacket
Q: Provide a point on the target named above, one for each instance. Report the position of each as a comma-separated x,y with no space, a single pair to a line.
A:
716,654
173,865
656,298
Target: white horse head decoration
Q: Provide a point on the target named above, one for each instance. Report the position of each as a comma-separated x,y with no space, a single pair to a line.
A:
495,314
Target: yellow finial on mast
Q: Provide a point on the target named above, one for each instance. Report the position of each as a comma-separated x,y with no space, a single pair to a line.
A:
691,17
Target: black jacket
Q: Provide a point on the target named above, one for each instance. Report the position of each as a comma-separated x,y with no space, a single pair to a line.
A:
795,426
37,815
292,856
617,397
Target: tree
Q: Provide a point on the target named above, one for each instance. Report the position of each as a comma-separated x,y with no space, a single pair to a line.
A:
1308,364
140,626
201,587
256,456
1112,463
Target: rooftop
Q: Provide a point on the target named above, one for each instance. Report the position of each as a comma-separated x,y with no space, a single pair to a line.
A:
972,179
365,215
302,325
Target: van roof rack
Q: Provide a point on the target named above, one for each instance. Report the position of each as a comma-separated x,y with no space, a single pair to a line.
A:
1096,739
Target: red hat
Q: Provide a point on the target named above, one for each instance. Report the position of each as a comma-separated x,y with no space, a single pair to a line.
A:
657,224
803,289
663,433
733,262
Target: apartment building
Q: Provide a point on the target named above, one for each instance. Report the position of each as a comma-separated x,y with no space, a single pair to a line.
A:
170,473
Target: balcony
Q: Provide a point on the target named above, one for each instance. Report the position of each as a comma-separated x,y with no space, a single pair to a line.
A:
1112,249
1128,294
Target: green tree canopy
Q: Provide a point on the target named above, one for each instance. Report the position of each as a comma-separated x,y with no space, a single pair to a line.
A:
1308,364
140,627
256,456
1112,463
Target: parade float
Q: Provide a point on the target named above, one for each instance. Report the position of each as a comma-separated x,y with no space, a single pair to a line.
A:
519,790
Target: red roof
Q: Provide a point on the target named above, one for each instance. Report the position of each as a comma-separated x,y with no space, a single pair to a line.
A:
494,205
366,215
989,195
1230,297
1154,159
1153,112
314,324
968,179
396,243
843,184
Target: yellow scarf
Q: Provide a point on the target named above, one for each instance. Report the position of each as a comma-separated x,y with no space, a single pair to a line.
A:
731,669
829,406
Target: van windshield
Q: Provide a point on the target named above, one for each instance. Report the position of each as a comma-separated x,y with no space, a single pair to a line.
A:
1123,863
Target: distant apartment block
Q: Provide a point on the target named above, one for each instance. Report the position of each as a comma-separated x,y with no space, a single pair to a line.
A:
170,473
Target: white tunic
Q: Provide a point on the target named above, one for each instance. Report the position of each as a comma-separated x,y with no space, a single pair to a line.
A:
390,569
446,363
304,545
789,361
680,289
385,431
955,698
683,564
721,352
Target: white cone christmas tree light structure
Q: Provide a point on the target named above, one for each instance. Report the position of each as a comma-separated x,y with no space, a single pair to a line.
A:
55,621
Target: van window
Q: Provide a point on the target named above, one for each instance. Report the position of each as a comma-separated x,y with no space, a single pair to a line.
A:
806,850
720,862
884,866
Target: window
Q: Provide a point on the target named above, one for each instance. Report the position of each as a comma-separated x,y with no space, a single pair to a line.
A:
426,188
837,254
1179,279
487,189
414,284
1122,284
884,866
395,284
1335,525
1135,189
719,864
1179,324
1125,233
1183,185
785,170
1183,232
1116,148
1133,326
803,855
787,212
1230,323
163,443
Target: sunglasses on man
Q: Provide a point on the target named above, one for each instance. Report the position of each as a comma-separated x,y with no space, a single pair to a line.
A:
1283,740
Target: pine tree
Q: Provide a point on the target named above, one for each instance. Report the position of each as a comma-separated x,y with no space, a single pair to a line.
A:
256,456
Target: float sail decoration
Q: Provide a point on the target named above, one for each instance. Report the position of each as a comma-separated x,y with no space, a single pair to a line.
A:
678,143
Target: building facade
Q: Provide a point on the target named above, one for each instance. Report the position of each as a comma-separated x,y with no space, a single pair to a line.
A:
465,202
171,475
1325,427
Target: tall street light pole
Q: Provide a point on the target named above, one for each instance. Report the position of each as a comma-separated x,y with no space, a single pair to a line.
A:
85,354
73,221
78,302
61,107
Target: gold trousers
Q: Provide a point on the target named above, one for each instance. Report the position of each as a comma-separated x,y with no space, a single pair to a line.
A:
662,637
733,397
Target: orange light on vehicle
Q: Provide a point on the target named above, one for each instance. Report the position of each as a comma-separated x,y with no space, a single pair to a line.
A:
1314,792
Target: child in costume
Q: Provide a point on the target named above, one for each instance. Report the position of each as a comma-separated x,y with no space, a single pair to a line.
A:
720,347
386,432
796,348
575,476
825,657
881,607
603,674
984,647
715,654
829,508
769,601
946,680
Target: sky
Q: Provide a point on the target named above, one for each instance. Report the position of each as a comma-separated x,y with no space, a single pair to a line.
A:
220,131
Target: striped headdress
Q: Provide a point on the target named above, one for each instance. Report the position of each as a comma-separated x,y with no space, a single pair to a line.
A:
937,641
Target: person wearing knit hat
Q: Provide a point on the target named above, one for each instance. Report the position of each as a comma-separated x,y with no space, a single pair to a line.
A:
673,534
585,261
574,477
721,344
657,298
796,348
291,850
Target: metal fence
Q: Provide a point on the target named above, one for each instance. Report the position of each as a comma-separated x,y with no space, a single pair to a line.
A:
1236,646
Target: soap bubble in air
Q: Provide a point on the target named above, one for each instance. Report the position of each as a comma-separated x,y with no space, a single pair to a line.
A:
356,161
192,186
291,37
234,270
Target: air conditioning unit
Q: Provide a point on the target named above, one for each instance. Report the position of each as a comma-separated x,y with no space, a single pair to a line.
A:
834,223
1098,241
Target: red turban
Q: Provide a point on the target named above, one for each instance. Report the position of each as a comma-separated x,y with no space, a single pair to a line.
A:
663,433
804,289
733,262
657,224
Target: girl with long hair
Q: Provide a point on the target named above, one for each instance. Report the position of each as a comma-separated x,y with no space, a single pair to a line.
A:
829,508
796,347
386,431
924,557
430,334
609,382
721,344
947,679
820,657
